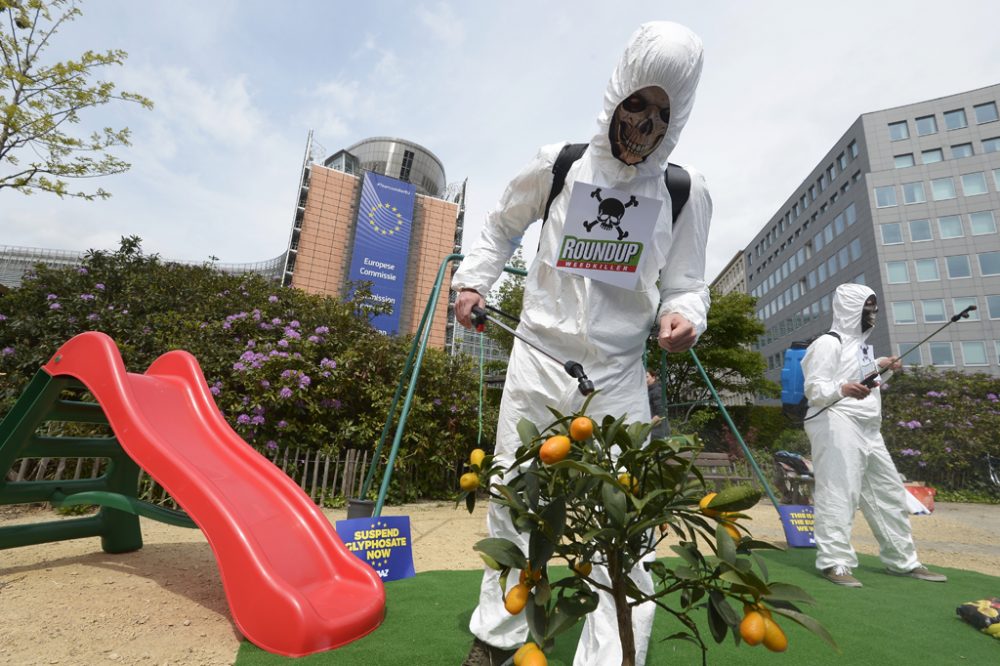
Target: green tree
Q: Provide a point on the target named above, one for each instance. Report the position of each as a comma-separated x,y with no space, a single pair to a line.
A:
725,353
508,298
40,102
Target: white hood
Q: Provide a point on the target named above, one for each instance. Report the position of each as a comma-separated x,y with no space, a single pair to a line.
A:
848,304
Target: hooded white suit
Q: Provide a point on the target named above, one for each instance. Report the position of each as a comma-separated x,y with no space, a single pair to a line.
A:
603,327
851,464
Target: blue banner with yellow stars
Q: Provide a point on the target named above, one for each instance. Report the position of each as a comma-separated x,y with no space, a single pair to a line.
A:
382,243
383,542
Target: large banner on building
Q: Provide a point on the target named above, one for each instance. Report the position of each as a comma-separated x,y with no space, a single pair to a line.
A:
382,243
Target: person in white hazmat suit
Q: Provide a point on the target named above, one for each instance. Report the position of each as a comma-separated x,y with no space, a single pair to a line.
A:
851,465
602,326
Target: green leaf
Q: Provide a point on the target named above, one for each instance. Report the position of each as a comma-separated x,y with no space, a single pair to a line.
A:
809,623
787,592
726,545
716,623
527,431
615,504
504,552
735,498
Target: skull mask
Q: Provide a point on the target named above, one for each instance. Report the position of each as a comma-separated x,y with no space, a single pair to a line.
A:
639,124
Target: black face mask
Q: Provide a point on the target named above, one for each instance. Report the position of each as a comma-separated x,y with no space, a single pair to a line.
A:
868,314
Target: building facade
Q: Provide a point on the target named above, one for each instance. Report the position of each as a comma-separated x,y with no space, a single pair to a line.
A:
906,202
733,277
379,211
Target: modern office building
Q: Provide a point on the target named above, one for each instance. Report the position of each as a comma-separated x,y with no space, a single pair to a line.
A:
907,202
733,277
379,212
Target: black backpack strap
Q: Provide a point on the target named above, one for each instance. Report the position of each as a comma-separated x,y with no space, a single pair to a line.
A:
836,335
678,183
570,153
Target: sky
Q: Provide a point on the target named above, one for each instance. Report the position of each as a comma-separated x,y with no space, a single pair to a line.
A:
239,84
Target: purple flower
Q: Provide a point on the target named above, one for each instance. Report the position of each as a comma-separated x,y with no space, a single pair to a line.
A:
276,321
55,306
282,343
51,297
304,381
912,425
335,403
294,323
243,419
93,316
322,330
992,397
257,420
935,394
292,333
312,338
282,423
327,363
947,449
285,392
82,271
7,351
239,366
272,299
271,444
437,402
264,383
99,286
3,317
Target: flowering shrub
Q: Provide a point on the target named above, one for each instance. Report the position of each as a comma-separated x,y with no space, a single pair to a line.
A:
286,368
939,426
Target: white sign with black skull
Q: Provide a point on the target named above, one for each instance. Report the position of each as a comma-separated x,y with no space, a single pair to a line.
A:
606,233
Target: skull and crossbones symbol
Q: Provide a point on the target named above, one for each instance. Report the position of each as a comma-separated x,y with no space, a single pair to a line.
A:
610,213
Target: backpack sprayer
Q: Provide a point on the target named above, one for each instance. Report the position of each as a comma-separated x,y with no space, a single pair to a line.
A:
572,368
871,381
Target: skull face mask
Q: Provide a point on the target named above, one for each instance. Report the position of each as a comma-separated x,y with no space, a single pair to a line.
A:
639,124
869,313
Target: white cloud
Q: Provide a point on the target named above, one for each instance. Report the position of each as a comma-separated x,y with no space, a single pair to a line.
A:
442,23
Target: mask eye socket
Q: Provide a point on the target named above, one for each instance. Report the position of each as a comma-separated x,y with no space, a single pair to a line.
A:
634,104
665,115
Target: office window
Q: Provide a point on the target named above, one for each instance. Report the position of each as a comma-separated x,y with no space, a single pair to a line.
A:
955,119
821,182
831,172
920,230
811,279
989,263
855,249
912,355
899,131
842,161
991,145
913,193
838,225
931,156
852,149
851,213
927,269
941,353
885,196
974,183
821,272
958,266
926,125
859,279
933,310
843,256
985,113
903,313
974,352
828,233
996,179
950,226
993,306
942,188
903,161
831,265
963,302
982,222
896,272
961,150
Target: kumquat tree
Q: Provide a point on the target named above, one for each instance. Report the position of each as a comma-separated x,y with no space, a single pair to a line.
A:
596,497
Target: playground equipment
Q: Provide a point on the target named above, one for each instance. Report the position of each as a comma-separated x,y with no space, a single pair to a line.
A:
293,587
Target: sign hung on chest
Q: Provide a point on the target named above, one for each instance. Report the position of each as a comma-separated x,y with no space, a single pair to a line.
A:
607,234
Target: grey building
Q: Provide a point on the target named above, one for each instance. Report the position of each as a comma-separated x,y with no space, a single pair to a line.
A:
906,202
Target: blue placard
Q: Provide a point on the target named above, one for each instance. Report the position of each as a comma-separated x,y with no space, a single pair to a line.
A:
382,243
797,521
383,542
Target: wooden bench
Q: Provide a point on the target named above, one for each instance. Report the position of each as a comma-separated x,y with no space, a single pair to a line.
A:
719,470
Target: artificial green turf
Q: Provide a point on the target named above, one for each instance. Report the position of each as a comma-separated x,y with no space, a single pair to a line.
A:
891,620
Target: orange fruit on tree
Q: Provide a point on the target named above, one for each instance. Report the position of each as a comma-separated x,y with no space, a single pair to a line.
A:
523,651
517,599
752,628
554,449
731,529
469,481
705,501
774,638
529,577
476,457
581,428
535,658
583,569
629,482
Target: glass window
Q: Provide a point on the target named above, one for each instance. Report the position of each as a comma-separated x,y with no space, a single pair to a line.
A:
811,279
958,266
974,352
926,125
896,272
852,149
982,222
989,263
927,269
941,353
991,145
913,193
859,279
933,310
900,130
843,256
942,188
931,156
855,249
902,312
996,179
961,150
985,113
950,226
912,355
828,233
920,230
963,302
885,196
838,225
892,233
974,183
903,161
955,119
831,265
818,242
821,271
851,213
993,306
842,161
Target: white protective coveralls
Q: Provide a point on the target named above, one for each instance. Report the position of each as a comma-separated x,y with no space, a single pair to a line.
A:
601,326
851,465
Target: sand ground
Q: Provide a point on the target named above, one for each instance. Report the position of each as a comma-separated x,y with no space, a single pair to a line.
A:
71,603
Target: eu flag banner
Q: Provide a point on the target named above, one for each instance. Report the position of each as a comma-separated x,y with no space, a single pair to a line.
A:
383,542
382,243
797,522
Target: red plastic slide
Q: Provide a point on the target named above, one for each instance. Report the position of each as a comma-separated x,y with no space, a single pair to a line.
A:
292,586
